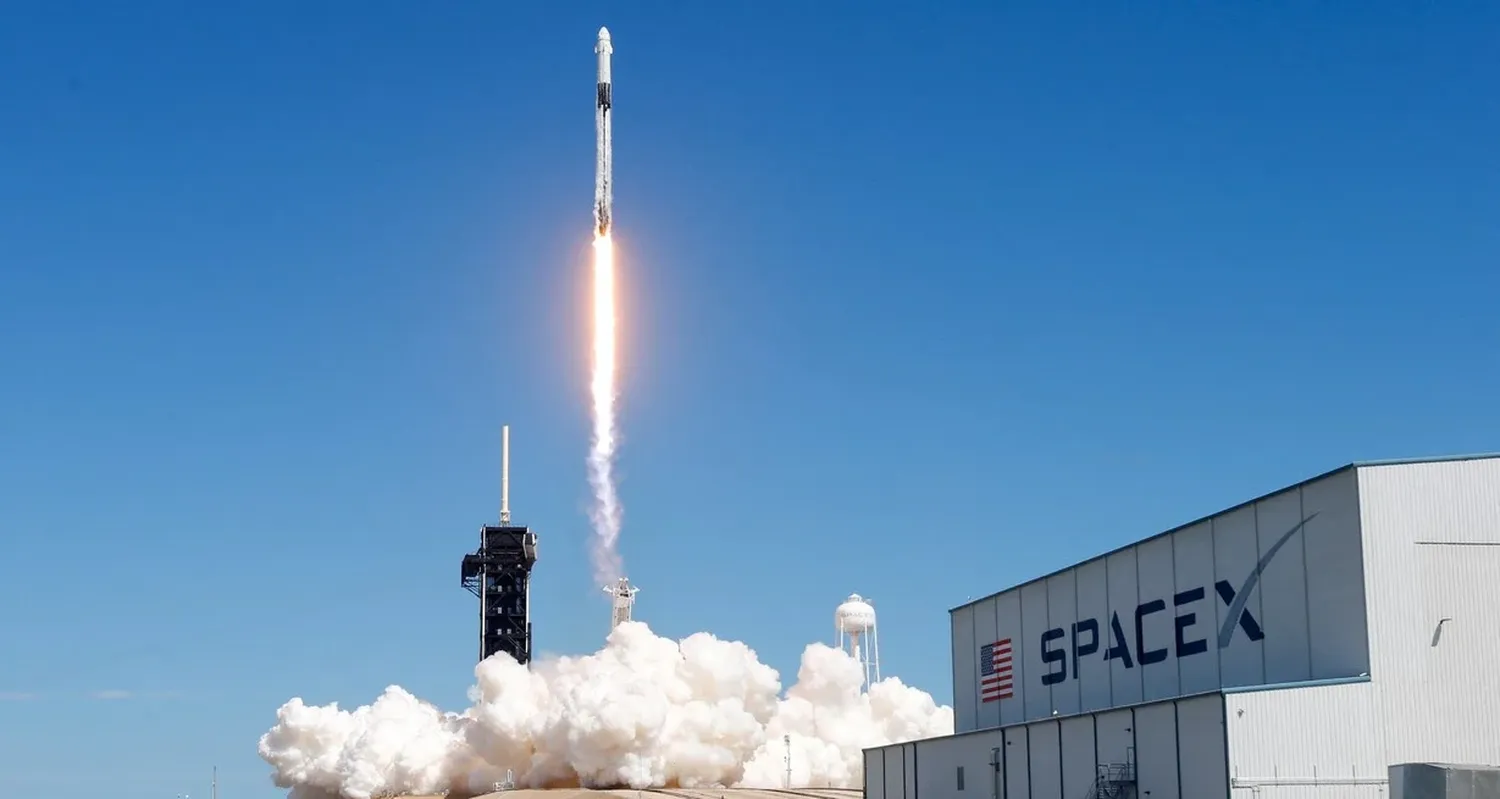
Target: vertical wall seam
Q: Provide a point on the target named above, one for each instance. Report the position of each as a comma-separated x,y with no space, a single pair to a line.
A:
974,660
1224,732
1029,780
885,773
1078,614
1096,745
1213,571
1140,668
1260,593
953,645
1062,773
1002,768
1306,584
1109,673
1047,603
1365,580
917,772
1177,739
1175,659
995,629
1017,655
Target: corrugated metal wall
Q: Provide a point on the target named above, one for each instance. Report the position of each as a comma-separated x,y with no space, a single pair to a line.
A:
1201,766
1152,621
1411,603
1431,548
938,764
1307,743
893,766
1432,544
1046,760
1156,756
1017,763
1177,747
1079,755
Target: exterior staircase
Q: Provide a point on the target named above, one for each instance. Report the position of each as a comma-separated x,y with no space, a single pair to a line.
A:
1113,781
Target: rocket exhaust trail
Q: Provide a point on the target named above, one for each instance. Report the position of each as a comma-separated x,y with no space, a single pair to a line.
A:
606,511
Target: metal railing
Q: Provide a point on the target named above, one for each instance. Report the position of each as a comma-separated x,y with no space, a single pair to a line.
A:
1113,781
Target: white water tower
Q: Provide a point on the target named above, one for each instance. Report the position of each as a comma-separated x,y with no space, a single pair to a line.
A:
855,622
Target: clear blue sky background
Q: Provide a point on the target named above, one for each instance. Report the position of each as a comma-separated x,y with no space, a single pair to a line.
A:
917,302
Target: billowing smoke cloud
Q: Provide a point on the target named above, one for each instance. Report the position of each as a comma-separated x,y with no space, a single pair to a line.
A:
643,712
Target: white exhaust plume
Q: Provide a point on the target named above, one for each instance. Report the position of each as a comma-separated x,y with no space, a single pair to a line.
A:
606,511
643,712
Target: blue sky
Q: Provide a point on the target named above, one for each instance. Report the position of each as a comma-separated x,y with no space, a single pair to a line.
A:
917,302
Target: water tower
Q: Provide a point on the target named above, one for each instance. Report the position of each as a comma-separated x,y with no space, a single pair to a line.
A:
855,622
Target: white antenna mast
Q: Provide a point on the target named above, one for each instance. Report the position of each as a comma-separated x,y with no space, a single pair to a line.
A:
505,475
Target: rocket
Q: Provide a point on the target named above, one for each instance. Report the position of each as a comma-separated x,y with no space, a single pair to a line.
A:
603,166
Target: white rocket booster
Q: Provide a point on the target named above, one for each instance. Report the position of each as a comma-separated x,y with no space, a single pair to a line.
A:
603,166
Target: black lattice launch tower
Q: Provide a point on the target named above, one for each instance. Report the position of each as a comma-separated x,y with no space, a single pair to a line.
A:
500,575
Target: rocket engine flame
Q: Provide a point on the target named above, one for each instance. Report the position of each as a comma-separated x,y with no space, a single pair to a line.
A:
606,511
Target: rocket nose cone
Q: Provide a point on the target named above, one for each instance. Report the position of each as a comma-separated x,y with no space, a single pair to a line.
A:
604,34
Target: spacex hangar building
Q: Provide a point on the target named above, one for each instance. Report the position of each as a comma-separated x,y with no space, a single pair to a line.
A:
1299,645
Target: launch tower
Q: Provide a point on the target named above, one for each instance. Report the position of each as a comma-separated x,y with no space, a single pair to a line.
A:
500,575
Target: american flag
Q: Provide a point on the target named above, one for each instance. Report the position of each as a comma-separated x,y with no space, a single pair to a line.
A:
994,671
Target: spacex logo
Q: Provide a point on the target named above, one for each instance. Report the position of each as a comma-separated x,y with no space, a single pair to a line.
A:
1237,599
1085,637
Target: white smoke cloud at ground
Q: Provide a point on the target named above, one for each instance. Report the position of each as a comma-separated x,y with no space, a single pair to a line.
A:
644,711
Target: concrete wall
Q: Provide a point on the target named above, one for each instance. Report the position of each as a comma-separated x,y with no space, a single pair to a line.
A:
1177,747
1269,592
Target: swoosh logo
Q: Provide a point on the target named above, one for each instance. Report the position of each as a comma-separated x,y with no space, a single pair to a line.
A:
1237,607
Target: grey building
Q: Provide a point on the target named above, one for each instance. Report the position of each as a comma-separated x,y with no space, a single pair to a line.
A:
1294,646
